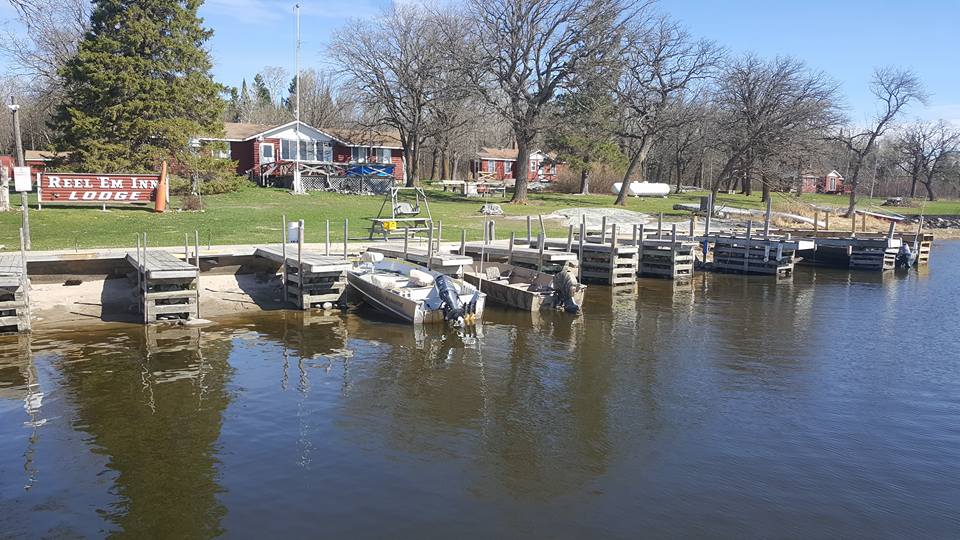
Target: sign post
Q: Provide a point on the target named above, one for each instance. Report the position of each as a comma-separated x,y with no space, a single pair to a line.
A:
24,216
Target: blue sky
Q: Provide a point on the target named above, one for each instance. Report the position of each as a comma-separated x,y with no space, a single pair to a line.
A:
844,38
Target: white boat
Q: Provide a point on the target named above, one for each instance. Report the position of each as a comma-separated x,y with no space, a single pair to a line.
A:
526,289
414,293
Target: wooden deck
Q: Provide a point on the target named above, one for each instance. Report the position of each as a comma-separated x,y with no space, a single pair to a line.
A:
311,280
551,261
608,263
446,263
169,287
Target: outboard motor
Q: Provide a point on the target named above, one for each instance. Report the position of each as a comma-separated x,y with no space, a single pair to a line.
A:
905,257
453,309
564,289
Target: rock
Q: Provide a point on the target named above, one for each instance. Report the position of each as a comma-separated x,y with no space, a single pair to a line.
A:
491,210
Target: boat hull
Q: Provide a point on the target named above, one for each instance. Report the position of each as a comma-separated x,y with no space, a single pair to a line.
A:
507,295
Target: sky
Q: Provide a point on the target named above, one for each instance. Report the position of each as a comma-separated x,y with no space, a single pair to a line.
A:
844,38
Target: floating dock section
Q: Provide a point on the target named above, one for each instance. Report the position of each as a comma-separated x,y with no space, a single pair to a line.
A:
14,295
445,263
169,288
547,261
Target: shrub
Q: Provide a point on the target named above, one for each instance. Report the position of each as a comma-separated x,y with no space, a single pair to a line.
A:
211,186
192,203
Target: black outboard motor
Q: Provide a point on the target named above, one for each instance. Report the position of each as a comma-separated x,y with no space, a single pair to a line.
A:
453,310
905,257
565,288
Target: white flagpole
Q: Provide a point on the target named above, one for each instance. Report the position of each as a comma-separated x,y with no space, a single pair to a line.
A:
297,182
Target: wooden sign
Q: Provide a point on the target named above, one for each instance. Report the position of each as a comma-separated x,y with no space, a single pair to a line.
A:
104,189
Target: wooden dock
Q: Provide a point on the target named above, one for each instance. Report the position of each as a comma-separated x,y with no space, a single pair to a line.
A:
856,253
549,261
609,263
14,295
310,280
445,263
169,288
666,258
770,256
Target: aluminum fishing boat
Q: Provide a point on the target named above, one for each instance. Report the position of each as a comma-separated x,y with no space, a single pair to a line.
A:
527,289
415,294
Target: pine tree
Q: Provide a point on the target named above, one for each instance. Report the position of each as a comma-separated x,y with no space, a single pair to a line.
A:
139,87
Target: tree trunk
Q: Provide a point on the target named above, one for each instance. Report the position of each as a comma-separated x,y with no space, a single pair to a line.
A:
411,157
913,185
679,168
456,165
444,171
585,181
854,183
637,162
929,186
4,190
433,165
766,188
520,171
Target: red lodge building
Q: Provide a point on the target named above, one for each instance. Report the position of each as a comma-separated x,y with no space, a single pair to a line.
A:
270,150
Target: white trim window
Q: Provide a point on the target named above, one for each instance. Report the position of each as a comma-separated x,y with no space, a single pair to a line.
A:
508,168
491,166
327,152
358,154
383,155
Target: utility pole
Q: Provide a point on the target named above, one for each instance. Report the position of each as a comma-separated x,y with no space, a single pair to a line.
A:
25,215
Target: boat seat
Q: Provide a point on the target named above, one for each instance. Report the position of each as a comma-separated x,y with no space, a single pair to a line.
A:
493,273
384,282
419,278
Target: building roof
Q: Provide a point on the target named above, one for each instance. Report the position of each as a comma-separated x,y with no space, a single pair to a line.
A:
365,137
43,155
239,131
507,154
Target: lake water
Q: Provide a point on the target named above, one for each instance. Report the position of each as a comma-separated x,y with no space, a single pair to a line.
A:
826,406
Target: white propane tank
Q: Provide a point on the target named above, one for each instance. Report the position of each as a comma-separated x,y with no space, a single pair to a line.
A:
643,189
293,231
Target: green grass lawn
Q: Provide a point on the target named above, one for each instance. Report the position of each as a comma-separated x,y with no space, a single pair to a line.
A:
254,216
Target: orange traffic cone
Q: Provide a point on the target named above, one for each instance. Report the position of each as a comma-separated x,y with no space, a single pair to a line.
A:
161,200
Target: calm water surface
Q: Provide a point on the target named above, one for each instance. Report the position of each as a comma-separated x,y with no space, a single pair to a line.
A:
825,406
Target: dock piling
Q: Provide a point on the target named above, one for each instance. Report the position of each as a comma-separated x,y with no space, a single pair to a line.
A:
326,241
346,238
583,231
463,241
660,226
603,230
766,218
529,232
569,237
510,249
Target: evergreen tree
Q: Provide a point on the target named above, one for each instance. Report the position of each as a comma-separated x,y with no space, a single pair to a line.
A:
583,138
139,88
261,92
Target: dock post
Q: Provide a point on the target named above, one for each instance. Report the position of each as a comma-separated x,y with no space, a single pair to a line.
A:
746,250
186,249
863,222
139,268
541,242
283,249
853,226
486,232
816,221
327,241
673,235
510,249
543,229
439,234
613,254
406,241
430,248
766,218
693,226
569,238
635,232
300,280
603,230
493,230
583,231
529,231
826,220
463,242
660,226
196,245
346,238
893,226
706,225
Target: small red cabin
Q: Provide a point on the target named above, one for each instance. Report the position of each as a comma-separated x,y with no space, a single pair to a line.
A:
830,183
501,164
260,149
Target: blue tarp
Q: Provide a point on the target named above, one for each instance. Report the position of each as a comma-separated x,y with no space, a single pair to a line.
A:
370,170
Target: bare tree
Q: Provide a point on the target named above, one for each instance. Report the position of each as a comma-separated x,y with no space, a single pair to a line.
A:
322,103
395,66
895,89
763,107
53,29
528,50
660,63
942,144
